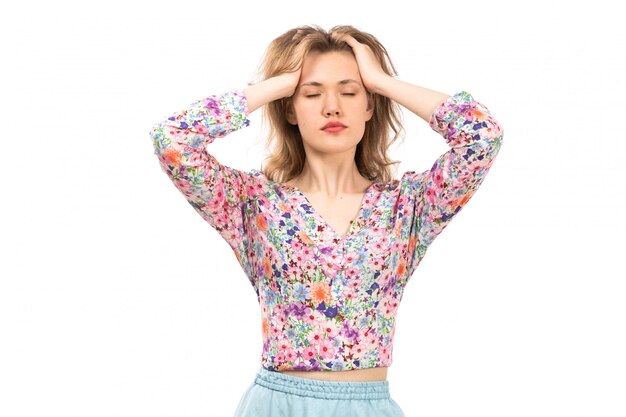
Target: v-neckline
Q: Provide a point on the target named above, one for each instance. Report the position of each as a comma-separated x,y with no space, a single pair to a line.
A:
321,221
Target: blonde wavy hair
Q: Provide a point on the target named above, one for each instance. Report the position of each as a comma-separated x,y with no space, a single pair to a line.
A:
287,155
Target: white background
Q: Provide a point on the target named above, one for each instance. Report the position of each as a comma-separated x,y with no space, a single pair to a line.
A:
117,299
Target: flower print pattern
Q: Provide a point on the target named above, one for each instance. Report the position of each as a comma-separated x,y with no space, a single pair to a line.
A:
327,302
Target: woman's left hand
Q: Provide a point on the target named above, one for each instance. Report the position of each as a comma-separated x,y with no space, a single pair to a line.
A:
370,69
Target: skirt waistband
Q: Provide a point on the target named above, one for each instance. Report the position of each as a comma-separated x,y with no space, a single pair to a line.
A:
330,390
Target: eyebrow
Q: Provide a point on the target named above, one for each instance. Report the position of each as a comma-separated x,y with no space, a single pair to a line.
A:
317,84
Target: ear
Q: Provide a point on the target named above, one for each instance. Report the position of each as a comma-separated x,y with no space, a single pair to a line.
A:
370,105
290,113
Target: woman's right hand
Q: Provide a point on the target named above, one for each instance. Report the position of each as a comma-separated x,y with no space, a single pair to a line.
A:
291,80
277,87
293,77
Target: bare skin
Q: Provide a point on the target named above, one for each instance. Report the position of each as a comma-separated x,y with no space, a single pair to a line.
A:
337,211
354,375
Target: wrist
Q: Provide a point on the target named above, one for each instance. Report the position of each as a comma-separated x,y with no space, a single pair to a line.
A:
275,87
284,85
382,85
266,91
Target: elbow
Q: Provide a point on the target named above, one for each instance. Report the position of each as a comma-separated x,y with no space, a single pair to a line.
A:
497,130
162,137
491,133
164,147
488,141
156,135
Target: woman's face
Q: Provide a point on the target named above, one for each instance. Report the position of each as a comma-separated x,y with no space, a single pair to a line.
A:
330,90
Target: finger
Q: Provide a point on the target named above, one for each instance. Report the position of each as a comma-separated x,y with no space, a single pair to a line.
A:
345,38
336,35
300,51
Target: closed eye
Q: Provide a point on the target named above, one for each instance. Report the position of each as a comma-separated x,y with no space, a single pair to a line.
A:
316,95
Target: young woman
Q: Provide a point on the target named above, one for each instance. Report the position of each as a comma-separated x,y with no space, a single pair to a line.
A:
327,238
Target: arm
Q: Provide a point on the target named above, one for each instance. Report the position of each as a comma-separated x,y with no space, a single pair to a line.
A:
429,200
271,89
217,192
419,100
434,197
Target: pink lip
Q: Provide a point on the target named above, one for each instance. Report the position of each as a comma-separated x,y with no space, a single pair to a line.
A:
333,127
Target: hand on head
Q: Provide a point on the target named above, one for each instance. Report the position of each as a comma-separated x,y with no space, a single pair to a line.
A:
370,69
293,77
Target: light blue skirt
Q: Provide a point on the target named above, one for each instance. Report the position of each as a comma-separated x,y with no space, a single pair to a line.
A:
274,394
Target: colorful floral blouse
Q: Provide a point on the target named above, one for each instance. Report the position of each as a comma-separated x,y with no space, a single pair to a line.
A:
328,302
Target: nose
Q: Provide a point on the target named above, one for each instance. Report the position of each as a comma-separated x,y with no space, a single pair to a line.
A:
331,106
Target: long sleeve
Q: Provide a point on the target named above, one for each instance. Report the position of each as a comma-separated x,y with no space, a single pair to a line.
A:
217,192
431,199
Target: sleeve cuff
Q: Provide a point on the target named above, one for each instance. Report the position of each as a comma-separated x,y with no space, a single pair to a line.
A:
449,109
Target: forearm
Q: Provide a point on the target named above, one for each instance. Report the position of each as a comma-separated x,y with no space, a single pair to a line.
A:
421,101
267,91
